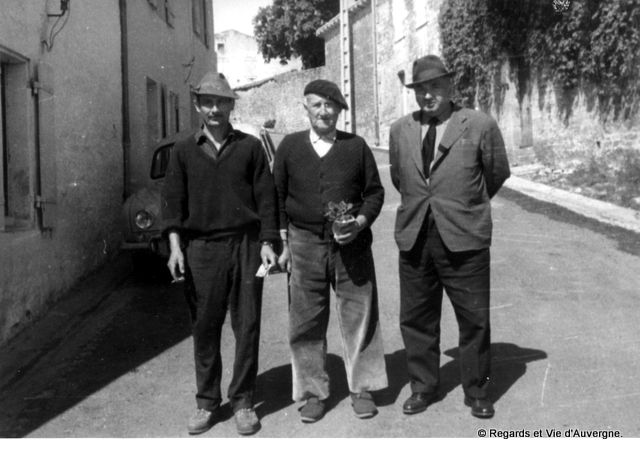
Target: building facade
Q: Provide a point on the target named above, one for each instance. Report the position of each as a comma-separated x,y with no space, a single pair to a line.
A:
240,60
386,36
86,88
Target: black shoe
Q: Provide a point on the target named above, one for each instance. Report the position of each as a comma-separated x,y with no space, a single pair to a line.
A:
480,407
417,402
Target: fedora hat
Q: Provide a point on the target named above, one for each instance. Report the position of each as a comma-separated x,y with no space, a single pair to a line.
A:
427,68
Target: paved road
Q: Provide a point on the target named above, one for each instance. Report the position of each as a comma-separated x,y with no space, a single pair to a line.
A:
113,359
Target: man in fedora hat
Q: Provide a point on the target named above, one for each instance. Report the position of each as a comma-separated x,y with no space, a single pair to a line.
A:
219,211
313,170
446,162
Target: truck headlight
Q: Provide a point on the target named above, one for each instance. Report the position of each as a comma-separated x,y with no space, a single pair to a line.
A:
143,220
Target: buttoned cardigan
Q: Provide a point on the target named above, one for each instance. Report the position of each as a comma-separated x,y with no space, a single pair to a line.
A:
306,182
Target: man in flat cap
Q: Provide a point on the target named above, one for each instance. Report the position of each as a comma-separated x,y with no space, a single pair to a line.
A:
322,174
220,215
447,162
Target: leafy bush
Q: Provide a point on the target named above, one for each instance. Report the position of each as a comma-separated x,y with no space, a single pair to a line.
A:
594,46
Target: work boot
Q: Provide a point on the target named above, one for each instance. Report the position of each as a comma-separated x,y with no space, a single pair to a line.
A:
202,420
247,421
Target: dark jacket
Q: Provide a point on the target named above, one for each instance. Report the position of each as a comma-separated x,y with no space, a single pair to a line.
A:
469,167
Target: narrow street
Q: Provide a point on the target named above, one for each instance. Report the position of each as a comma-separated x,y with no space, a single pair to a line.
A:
114,358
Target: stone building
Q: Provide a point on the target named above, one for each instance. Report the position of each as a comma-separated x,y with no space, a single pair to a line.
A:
86,88
386,36
240,60
383,40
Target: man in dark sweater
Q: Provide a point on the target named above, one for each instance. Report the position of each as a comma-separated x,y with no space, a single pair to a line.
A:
219,198
313,169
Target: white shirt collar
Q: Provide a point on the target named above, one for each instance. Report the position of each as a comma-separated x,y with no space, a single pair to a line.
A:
315,138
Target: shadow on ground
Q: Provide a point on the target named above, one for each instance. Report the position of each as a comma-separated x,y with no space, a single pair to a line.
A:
274,385
509,363
82,351
628,241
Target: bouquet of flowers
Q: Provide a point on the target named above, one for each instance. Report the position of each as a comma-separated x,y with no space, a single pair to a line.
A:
337,213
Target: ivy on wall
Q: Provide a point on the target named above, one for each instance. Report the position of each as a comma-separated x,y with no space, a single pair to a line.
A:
574,46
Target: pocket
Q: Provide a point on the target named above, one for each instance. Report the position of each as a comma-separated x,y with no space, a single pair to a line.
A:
469,155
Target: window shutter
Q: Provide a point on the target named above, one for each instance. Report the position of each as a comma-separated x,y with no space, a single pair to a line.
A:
47,198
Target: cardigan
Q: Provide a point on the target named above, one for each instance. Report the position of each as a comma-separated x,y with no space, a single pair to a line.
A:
306,182
208,197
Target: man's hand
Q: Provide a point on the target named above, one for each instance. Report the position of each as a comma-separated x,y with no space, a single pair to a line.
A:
284,260
268,256
176,258
352,230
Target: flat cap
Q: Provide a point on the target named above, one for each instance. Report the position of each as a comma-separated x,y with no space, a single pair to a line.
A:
215,83
327,89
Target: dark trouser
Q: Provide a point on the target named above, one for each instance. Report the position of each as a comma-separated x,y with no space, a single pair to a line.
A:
424,271
221,276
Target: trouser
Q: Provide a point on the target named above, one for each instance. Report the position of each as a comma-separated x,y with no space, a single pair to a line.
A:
317,265
221,277
424,271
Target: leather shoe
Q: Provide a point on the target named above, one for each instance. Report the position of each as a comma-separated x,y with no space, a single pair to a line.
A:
417,402
480,407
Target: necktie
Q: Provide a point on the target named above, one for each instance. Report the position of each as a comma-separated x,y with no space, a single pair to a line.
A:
428,146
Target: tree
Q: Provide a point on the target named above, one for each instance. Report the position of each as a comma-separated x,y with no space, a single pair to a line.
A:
287,29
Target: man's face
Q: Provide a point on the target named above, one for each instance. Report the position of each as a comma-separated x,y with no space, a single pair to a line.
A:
214,110
434,96
323,113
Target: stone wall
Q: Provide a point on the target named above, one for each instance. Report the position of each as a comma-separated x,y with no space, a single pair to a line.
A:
278,98
533,130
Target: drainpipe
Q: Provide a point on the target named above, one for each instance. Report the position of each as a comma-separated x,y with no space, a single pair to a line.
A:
376,109
124,65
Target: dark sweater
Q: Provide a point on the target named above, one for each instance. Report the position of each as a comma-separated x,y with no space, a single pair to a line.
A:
212,197
306,182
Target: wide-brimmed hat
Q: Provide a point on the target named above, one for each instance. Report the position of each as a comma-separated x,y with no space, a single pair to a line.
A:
428,68
214,83
327,89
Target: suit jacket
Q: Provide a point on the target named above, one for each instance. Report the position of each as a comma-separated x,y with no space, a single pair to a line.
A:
469,167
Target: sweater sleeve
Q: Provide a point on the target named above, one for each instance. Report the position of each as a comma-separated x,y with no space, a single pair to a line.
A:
372,191
174,192
265,195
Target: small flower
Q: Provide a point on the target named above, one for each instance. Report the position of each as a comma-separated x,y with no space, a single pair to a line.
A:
337,211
